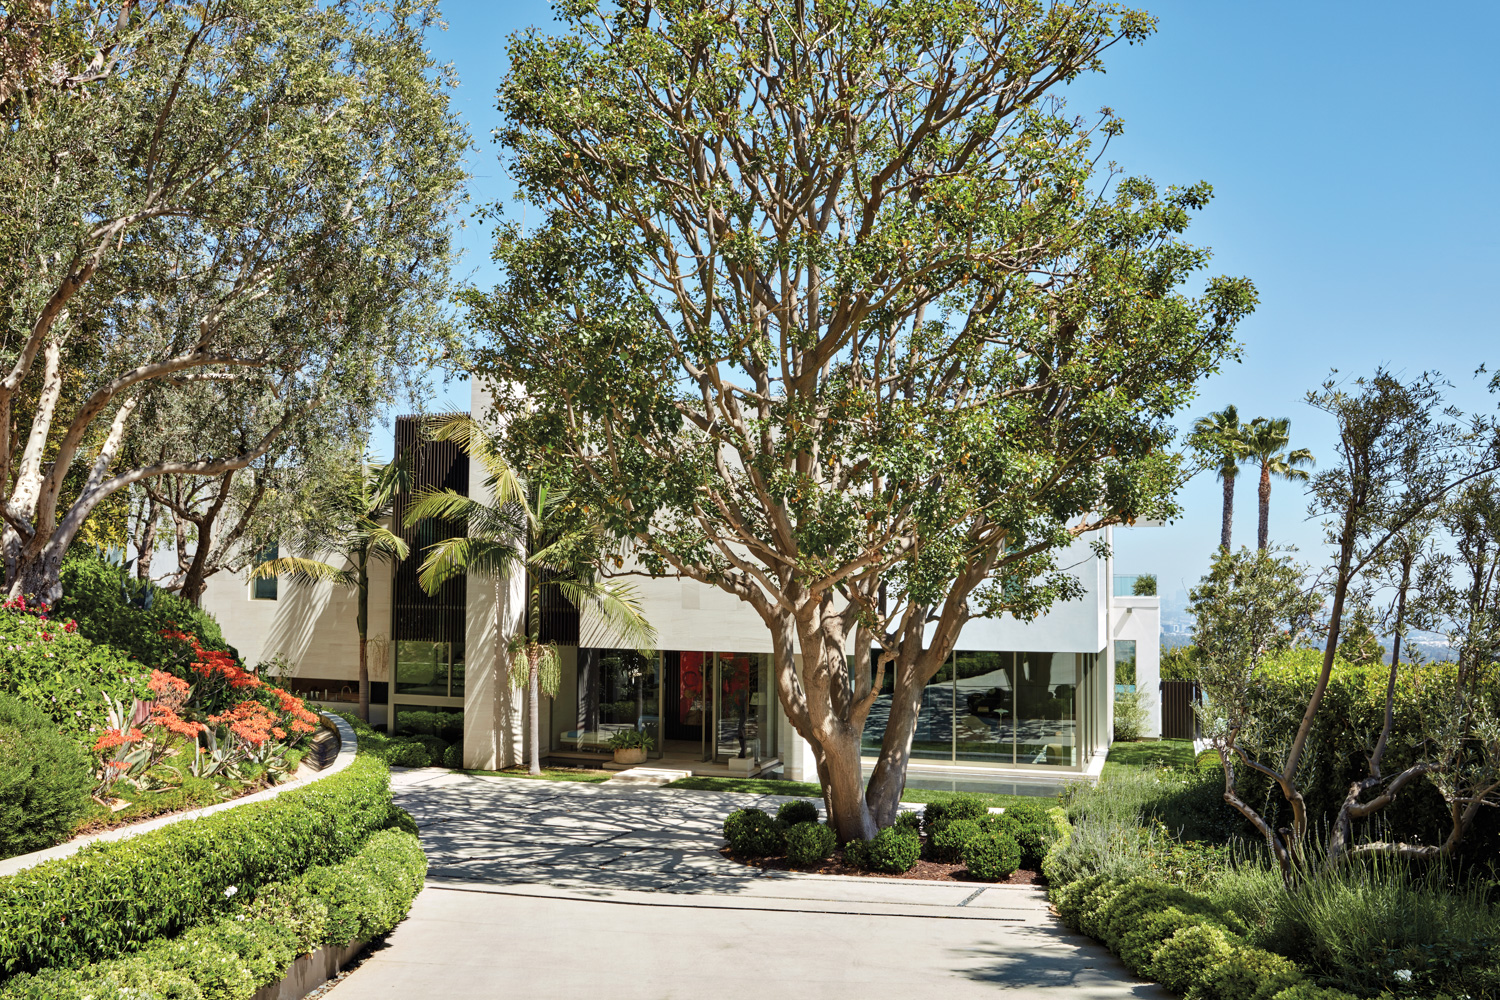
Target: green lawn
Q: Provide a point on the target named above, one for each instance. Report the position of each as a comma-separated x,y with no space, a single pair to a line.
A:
810,790
584,774
1149,753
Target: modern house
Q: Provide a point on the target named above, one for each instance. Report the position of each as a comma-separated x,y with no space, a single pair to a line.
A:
1017,701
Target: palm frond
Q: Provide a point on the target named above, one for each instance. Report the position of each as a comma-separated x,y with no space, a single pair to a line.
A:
441,505
455,556
308,570
382,540
617,608
505,483
385,481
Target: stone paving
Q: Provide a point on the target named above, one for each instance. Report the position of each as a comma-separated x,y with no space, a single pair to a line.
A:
542,889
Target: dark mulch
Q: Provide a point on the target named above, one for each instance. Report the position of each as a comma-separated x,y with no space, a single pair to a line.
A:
923,871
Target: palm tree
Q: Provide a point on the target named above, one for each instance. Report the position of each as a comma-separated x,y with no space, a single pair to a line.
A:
1221,436
1264,441
540,532
360,540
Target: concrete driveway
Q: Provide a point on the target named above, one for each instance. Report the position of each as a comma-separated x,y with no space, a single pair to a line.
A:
543,889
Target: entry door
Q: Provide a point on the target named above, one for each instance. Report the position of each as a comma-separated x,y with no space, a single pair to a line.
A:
737,727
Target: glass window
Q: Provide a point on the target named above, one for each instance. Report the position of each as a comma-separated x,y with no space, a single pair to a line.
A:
447,724
1124,665
629,693
933,738
422,667
986,725
880,712
263,588
1046,700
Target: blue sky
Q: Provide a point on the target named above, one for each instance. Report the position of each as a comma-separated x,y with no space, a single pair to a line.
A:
1352,149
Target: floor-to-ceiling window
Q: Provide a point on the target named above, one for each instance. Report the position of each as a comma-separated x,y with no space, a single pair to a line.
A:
998,708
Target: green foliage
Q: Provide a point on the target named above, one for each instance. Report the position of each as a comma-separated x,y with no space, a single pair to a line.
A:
1347,724
1144,585
454,756
910,821
407,755
95,594
1179,663
1247,974
45,780
810,842
109,897
63,673
447,725
1181,961
934,814
992,855
753,834
800,811
245,948
421,750
631,739
1131,709
892,851
401,820
947,841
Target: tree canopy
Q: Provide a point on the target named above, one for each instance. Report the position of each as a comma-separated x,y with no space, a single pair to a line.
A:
229,215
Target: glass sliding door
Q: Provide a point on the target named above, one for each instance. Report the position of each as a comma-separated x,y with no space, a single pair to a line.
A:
738,705
986,699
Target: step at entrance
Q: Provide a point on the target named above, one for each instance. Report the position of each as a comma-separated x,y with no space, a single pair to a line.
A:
647,776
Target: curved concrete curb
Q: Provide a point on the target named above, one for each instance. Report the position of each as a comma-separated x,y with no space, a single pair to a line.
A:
348,743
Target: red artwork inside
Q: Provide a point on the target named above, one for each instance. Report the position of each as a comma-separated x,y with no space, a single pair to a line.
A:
690,689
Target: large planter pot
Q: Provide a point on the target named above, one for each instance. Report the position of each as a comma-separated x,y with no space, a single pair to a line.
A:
633,755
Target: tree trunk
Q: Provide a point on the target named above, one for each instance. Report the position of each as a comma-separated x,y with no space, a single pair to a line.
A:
39,578
362,621
1265,507
196,580
1228,520
533,711
146,546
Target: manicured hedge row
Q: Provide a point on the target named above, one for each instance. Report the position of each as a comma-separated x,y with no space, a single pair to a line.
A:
112,897
236,954
1178,938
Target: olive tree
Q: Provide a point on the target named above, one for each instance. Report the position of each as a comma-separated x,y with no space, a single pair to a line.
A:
237,202
830,306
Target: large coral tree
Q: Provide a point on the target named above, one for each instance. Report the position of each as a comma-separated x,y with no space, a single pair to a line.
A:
830,308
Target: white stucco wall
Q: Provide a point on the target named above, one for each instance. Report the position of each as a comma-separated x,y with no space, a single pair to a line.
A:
311,624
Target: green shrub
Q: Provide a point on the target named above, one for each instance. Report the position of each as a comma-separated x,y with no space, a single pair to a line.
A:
454,756
948,840
63,674
910,822
400,819
1307,991
1095,905
857,854
799,811
45,780
934,814
1181,961
992,856
110,897
1071,897
753,834
1034,830
1247,974
95,594
232,956
893,851
808,843
1139,943
407,755
436,746
1130,715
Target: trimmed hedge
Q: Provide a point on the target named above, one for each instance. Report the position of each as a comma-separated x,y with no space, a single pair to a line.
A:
233,956
111,897
45,780
753,833
892,851
798,811
808,843
992,856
